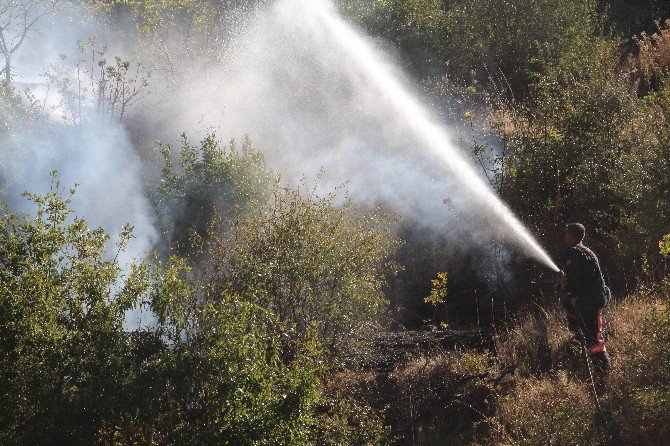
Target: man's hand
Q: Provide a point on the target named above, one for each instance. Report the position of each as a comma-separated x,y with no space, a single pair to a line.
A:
560,280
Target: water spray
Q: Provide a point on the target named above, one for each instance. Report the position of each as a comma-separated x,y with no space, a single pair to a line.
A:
432,135
321,100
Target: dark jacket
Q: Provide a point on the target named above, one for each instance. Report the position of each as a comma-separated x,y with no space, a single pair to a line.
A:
583,277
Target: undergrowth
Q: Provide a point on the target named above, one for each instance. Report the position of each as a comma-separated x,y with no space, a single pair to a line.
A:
533,388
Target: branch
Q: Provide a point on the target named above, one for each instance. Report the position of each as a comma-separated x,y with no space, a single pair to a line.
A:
3,45
27,27
6,8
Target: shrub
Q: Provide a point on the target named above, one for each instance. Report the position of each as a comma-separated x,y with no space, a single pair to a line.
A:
103,90
14,114
664,246
62,306
210,371
437,296
441,397
633,16
315,265
179,37
16,118
584,153
347,421
226,377
492,38
209,178
438,397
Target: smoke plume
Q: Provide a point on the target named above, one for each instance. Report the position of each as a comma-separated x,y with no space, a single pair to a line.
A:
315,95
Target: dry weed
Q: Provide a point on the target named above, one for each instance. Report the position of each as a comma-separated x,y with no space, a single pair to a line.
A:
652,60
540,343
639,387
545,411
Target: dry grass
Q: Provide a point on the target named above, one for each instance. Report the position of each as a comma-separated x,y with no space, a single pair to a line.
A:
652,61
436,398
442,397
624,322
551,403
545,411
469,397
539,344
639,397
350,417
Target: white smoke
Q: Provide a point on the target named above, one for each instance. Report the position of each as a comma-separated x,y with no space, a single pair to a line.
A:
316,95
96,153
97,157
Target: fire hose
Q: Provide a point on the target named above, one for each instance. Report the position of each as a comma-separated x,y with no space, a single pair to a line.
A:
611,427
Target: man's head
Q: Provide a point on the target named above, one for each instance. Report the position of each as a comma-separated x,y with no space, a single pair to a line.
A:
574,234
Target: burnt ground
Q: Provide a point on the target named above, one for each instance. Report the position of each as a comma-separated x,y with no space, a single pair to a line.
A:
388,349
426,386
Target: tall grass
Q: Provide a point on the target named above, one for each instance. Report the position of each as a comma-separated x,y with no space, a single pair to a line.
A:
533,388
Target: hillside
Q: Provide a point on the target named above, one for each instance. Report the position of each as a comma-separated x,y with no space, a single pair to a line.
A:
332,222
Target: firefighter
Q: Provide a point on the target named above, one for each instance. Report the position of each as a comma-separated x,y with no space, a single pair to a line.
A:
586,294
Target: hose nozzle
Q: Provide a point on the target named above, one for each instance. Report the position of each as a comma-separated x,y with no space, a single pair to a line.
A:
559,281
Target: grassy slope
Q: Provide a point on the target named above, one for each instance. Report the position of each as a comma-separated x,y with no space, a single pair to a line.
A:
533,390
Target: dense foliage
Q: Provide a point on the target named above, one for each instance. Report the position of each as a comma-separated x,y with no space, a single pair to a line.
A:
213,368
209,179
72,374
319,267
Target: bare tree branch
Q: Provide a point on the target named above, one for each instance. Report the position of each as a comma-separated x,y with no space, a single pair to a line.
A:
19,19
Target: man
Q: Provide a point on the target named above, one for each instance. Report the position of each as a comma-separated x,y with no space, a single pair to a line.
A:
586,294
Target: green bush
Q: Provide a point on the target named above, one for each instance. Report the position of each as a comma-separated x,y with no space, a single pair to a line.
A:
315,265
224,379
586,150
493,38
349,421
210,371
178,37
62,346
209,178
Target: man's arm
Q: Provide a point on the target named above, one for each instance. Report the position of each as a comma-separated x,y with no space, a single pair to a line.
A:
572,271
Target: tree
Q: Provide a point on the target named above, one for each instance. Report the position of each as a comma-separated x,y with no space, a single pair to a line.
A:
319,267
18,19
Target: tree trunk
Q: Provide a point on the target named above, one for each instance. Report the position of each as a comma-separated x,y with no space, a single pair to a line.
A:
8,70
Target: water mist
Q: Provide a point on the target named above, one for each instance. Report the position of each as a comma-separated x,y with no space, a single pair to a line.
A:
434,137
321,99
